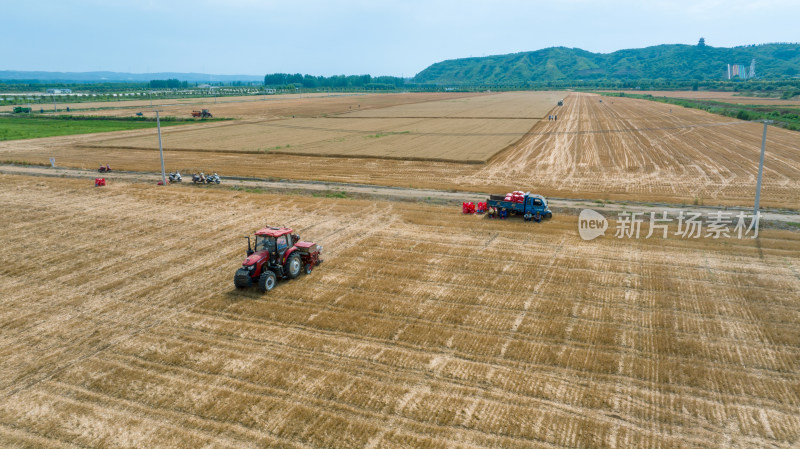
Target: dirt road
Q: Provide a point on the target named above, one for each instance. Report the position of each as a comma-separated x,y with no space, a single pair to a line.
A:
770,217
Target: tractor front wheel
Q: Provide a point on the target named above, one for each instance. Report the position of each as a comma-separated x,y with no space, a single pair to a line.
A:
293,266
267,281
309,267
242,279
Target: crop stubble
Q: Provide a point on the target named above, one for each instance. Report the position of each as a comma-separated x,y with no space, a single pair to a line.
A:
725,97
469,129
423,328
620,149
250,107
401,138
640,150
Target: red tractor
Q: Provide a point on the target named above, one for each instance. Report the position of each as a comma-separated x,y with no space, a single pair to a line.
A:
202,114
278,254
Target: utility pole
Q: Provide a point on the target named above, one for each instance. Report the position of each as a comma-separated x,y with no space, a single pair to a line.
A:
161,151
760,171
54,103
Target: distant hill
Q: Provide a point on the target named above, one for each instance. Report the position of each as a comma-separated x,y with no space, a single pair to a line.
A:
670,62
117,77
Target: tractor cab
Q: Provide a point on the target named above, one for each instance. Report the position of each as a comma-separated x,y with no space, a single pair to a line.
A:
274,240
264,243
537,204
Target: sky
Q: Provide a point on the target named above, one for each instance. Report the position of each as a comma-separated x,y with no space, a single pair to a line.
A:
317,37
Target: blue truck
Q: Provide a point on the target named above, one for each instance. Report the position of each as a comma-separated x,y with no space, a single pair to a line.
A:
532,203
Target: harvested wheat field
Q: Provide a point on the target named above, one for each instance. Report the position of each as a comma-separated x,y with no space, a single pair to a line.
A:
252,106
726,97
463,129
620,149
637,149
423,328
508,105
469,140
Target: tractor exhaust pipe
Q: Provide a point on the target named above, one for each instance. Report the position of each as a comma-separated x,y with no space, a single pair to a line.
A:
249,248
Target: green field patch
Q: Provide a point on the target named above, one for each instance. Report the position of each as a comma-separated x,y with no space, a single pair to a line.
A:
15,128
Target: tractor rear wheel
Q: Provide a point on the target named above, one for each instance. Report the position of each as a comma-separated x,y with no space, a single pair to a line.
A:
293,266
267,281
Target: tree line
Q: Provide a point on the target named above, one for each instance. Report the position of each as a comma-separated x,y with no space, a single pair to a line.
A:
336,81
168,84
